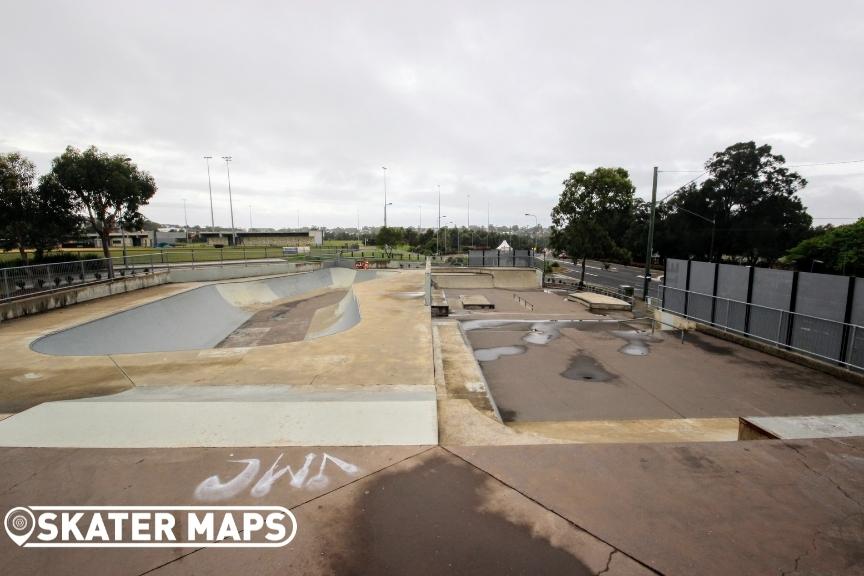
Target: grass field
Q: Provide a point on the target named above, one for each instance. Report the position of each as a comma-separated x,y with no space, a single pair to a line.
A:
203,253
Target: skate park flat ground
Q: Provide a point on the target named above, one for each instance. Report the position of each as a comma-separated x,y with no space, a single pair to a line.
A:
749,508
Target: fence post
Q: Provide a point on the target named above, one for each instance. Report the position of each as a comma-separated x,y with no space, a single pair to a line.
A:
750,277
193,258
714,292
6,291
687,287
793,297
847,320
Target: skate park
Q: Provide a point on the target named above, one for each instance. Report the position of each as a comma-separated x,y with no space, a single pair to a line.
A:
538,431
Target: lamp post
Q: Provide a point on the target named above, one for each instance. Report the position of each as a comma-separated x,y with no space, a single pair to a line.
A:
186,222
230,199
210,187
438,229
536,225
384,170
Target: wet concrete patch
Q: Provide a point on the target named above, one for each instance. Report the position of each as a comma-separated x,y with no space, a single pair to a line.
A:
490,354
443,516
637,341
584,367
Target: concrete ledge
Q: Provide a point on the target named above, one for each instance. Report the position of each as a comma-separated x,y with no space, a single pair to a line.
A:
231,416
595,301
66,297
801,427
483,277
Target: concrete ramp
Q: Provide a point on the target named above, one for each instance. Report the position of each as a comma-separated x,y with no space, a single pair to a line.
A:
201,318
228,416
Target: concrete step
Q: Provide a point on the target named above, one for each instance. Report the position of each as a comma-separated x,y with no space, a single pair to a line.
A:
228,416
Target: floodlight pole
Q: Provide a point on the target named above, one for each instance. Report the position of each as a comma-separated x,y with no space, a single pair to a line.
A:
384,169
438,230
650,249
210,187
230,200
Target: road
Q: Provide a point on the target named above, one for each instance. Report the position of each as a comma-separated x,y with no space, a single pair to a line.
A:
614,276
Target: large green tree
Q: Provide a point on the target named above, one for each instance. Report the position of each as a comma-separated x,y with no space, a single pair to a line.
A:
839,250
593,215
110,189
33,216
17,176
751,197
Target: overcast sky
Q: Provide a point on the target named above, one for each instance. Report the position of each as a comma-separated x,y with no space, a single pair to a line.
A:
500,100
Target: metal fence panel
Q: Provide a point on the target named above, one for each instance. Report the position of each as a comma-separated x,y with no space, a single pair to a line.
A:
676,277
701,290
773,290
732,284
501,258
823,296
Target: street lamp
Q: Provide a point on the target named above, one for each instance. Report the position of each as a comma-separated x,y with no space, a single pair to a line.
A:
186,222
438,229
536,225
384,170
230,200
210,187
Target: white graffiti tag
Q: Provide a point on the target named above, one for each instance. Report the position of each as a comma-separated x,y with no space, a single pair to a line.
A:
212,488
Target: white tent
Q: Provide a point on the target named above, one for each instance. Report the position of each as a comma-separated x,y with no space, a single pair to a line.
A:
504,246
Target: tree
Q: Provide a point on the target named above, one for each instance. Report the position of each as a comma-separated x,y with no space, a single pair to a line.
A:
37,217
17,175
752,199
839,249
388,238
53,216
110,190
593,214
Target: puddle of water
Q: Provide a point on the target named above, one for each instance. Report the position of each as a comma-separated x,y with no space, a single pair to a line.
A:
490,354
583,367
542,333
637,341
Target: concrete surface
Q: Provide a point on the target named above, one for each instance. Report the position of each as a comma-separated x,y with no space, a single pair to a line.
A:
599,302
744,508
798,427
475,277
597,371
212,272
635,431
194,320
392,345
184,416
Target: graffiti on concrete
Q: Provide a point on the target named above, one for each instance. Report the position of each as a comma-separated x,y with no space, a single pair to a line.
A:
213,488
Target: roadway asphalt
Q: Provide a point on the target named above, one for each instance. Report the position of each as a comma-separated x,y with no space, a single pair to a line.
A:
614,276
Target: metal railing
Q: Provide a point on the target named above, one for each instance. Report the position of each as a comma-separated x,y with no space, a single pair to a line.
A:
829,340
25,281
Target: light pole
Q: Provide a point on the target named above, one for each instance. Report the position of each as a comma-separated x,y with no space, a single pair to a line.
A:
468,215
186,221
438,229
230,199
250,217
384,170
210,187
536,225
650,250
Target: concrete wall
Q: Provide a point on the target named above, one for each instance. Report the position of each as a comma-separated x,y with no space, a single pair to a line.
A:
468,277
66,297
214,273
